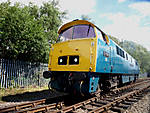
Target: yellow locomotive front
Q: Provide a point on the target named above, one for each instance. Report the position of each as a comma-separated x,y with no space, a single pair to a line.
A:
73,56
76,48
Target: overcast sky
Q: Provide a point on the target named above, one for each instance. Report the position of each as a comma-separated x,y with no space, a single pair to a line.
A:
124,19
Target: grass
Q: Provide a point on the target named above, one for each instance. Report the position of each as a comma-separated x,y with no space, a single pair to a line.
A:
14,91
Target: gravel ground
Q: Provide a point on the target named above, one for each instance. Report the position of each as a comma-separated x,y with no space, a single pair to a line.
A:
142,106
7,104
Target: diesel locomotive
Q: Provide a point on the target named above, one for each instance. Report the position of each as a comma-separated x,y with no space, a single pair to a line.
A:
85,59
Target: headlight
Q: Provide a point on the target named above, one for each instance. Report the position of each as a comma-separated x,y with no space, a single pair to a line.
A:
73,60
62,60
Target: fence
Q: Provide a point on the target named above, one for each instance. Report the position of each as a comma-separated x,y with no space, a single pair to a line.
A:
21,74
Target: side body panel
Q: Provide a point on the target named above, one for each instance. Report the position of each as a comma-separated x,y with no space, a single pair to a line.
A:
108,61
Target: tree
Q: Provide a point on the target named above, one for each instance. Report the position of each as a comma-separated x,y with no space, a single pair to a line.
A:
26,31
51,19
114,39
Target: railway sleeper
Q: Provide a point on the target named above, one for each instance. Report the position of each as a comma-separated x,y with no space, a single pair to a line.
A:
89,107
96,104
124,106
117,109
109,100
132,100
128,103
102,102
137,98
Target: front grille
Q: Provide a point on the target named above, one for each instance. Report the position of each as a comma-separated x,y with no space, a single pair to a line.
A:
73,60
62,60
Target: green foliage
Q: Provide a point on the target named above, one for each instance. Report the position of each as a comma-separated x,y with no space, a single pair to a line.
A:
136,51
114,39
26,30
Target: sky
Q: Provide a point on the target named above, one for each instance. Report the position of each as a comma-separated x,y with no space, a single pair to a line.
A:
123,19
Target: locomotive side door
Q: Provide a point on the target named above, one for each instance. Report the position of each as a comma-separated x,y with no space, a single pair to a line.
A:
106,53
107,58
111,59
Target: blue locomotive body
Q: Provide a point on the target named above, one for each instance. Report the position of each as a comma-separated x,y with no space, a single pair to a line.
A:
113,60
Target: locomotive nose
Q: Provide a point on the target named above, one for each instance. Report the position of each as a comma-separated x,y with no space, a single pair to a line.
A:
73,55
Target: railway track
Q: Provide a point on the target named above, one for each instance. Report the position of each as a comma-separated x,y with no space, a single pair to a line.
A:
116,100
111,102
24,107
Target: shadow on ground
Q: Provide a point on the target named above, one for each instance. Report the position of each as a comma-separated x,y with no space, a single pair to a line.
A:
32,96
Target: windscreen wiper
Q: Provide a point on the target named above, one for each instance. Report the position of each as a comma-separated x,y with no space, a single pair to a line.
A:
88,30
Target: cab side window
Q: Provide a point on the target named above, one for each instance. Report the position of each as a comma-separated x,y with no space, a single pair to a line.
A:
99,34
102,36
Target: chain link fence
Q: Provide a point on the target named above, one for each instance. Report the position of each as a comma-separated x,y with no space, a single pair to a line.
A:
15,73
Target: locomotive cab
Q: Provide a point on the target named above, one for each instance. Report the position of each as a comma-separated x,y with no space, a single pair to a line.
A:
75,47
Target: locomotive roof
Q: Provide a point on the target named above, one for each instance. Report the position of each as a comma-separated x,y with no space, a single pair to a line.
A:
75,22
